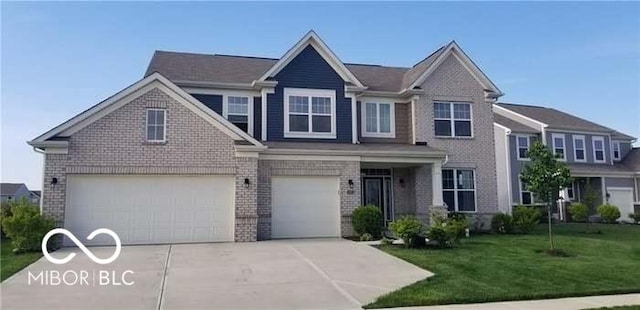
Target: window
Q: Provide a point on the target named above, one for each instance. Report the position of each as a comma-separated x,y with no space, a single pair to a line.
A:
526,197
452,119
309,113
379,120
156,123
459,190
523,146
236,110
578,148
571,192
558,145
616,150
598,149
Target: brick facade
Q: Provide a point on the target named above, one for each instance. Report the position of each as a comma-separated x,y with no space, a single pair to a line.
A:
116,144
345,170
452,82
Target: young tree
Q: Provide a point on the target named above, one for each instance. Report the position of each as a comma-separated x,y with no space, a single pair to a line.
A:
545,176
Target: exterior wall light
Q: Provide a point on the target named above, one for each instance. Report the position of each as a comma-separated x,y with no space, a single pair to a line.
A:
247,182
350,183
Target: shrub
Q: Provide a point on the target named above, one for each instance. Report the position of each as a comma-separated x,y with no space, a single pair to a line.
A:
366,237
579,212
408,228
26,227
635,217
525,218
367,220
502,223
386,241
448,231
5,212
608,213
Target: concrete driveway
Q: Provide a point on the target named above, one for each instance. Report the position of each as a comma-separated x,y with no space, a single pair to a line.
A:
283,274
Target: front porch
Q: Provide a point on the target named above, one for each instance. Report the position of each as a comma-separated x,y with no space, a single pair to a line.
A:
400,189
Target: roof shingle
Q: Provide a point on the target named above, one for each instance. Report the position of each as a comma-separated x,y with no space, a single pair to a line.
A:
513,125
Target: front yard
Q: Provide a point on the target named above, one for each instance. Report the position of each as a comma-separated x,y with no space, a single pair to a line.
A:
11,263
510,267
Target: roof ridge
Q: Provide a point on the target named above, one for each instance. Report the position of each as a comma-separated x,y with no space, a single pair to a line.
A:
375,65
526,105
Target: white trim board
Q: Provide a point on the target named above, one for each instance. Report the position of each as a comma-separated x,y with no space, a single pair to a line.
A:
311,38
155,80
454,49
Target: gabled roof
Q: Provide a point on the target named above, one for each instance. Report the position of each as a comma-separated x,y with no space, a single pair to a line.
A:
560,120
183,68
311,38
130,93
514,126
7,189
430,65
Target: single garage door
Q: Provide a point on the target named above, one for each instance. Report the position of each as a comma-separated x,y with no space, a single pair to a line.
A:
305,207
622,197
151,209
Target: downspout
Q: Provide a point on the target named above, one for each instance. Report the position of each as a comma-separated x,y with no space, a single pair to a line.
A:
44,162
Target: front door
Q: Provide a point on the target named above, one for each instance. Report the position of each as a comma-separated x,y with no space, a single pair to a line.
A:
377,191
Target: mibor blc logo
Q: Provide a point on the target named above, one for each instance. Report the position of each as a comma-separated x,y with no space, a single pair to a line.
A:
82,277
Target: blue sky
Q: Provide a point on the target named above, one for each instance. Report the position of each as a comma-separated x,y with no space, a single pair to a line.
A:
60,58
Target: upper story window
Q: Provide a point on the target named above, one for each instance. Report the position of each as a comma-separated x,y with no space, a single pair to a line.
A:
459,190
578,148
452,119
522,143
559,145
309,113
616,150
378,120
236,110
598,149
156,125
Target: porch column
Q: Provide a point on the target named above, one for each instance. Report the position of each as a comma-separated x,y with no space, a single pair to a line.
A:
436,184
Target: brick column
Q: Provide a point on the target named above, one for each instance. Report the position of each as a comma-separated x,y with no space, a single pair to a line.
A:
246,217
54,195
423,191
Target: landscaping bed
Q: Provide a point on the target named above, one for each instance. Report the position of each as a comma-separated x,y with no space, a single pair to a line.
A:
490,268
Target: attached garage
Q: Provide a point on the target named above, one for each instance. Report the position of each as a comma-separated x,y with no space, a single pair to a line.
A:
305,207
622,198
151,209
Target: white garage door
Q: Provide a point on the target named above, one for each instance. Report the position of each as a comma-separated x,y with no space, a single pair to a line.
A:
305,207
151,209
622,198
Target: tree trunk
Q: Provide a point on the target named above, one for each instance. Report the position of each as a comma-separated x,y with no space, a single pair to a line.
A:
549,222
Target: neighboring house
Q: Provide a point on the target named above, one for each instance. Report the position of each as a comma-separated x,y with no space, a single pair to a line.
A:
223,148
17,191
598,156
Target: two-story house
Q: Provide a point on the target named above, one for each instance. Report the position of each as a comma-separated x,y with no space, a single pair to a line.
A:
223,148
599,157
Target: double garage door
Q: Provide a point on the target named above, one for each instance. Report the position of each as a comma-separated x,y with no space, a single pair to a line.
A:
179,209
151,209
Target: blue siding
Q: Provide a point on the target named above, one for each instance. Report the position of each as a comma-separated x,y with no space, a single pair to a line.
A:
213,102
257,117
308,70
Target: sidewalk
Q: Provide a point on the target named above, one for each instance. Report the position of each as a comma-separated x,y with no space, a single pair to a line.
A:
572,303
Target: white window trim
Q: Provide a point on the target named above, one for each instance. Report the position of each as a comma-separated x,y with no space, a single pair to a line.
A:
593,144
613,150
564,144
455,189
378,134
584,148
518,147
305,92
573,191
522,191
146,126
452,119
225,110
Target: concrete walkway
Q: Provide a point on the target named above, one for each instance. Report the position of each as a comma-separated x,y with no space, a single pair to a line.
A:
573,303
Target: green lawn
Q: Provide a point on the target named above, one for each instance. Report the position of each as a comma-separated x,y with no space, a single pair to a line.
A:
618,308
498,267
11,263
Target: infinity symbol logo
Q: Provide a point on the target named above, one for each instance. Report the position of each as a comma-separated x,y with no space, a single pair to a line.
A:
81,246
